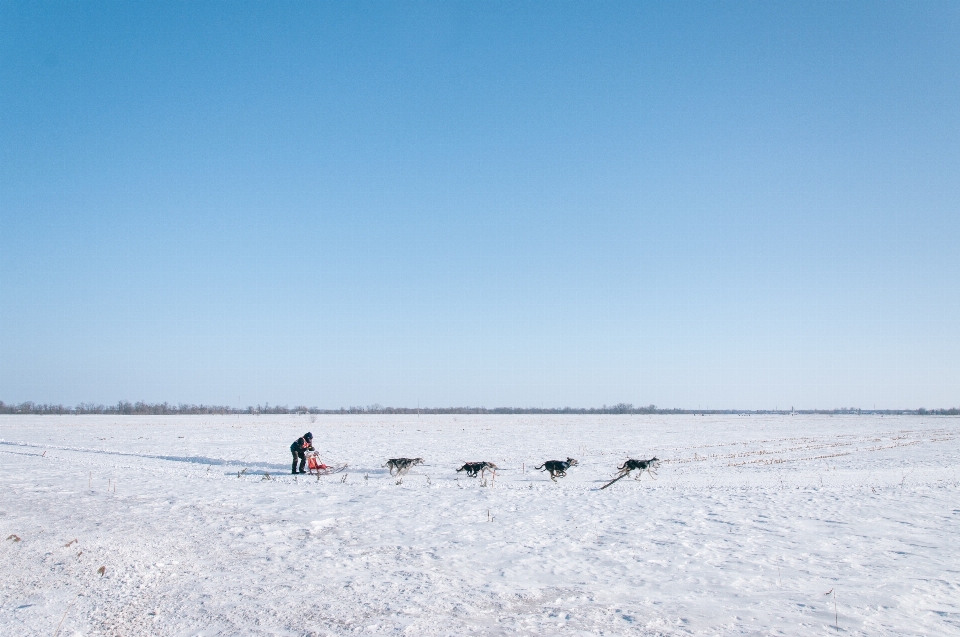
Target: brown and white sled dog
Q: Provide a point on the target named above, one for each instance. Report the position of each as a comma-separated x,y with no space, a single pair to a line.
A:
557,468
474,468
399,466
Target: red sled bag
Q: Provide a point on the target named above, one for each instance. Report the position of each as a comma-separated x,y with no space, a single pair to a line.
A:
315,464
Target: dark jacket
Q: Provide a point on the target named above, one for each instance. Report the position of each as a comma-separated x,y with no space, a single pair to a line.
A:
300,444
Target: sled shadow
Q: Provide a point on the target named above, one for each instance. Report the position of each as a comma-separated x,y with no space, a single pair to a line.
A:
202,460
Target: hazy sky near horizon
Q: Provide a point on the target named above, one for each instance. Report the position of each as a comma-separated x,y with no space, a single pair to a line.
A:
742,205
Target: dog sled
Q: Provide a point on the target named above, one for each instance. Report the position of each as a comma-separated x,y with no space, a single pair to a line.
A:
316,467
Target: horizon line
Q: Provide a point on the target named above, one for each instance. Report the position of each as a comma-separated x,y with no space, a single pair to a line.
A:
142,408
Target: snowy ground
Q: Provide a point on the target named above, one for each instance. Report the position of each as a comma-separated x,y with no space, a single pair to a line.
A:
752,521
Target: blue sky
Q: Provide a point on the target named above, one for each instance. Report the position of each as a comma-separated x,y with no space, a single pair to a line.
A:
742,205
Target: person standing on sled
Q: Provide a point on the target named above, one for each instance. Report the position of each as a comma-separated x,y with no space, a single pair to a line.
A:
299,446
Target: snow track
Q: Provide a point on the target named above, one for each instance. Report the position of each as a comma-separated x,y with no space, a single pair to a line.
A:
752,521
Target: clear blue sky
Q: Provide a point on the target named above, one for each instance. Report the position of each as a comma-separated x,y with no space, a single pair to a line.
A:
718,204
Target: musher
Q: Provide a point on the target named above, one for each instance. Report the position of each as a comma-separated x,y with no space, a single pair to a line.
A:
300,445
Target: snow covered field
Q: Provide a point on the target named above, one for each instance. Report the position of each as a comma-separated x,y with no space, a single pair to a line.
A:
751,522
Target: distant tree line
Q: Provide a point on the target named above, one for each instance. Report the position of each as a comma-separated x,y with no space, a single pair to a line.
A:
141,408
121,408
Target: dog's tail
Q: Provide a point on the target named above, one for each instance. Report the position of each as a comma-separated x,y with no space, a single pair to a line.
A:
461,468
540,468
620,468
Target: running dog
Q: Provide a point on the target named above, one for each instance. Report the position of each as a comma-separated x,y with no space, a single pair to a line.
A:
399,466
557,468
650,466
474,468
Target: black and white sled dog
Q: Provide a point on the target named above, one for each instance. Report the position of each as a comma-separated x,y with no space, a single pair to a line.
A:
650,466
399,466
557,468
474,468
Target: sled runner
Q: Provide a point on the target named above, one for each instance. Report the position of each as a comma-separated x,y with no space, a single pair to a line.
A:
315,466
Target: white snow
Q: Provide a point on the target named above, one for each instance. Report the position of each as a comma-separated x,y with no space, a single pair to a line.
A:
752,521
